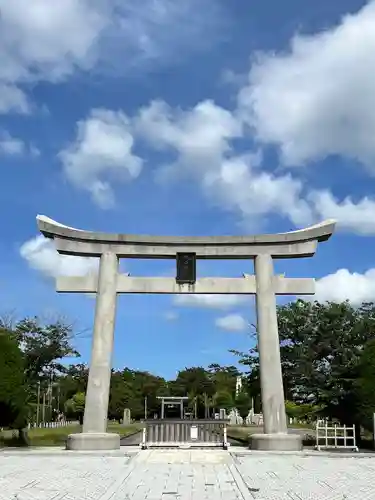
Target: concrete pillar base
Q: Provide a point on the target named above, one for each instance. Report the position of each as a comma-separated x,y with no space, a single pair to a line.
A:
276,442
93,441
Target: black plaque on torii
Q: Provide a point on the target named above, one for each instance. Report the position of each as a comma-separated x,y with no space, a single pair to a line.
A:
186,264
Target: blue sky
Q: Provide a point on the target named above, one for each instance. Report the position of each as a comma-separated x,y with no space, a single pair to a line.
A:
184,118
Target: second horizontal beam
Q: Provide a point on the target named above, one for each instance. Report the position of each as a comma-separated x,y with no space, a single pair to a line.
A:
206,286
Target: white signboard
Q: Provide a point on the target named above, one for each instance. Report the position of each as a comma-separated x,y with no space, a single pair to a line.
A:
193,432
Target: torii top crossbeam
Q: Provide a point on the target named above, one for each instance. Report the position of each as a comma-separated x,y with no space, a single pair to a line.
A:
300,243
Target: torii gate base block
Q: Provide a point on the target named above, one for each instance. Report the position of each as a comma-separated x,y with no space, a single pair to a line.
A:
89,441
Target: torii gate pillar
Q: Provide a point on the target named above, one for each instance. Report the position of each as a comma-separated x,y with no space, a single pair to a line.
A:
264,284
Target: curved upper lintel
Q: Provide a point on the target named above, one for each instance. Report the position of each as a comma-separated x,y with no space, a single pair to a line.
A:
318,232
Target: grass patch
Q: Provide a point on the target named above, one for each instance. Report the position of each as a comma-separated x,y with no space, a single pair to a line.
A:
57,436
301,426
241,432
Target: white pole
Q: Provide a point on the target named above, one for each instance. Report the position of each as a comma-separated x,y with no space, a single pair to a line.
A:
37,408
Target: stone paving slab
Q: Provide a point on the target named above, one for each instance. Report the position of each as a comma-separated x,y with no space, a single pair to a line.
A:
307,477
150,475
185,475
47,477
182,475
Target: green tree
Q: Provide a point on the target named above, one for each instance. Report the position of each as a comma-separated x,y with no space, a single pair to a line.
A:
320,346
194,380
130,388
75,407
44,347
364,394
192,405
243,404
223,399
13,394
301,411
122,395
206,403
69,383
223,377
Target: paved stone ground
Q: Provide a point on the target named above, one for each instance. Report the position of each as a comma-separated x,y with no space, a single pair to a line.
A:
184,475
307,477
46,477
132,440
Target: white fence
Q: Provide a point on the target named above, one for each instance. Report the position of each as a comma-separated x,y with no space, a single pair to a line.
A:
52,425
329,435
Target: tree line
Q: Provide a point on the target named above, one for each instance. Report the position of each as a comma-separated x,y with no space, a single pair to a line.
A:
36,385
328,361
327,353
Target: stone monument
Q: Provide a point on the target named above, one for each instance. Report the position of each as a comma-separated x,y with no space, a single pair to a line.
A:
264,284
234,417
222,413
127,417
238,385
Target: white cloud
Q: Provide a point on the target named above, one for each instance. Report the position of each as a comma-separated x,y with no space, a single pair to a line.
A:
354,217
297,100
210,301
202,141
315,100
11,146
318,97
232,322
159,30
171,315
42,40
345,285
254,193
40,254
197,135
103,149
12,99
34,151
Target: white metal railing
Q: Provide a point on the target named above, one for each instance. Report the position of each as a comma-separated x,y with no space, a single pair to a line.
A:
52,425
329,435
184,433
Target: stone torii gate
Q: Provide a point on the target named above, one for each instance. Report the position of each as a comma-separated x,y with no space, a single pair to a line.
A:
185,250
172,401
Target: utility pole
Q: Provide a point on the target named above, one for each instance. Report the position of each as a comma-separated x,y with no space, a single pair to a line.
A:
58,398
38,403
206,414
44,407
50,397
